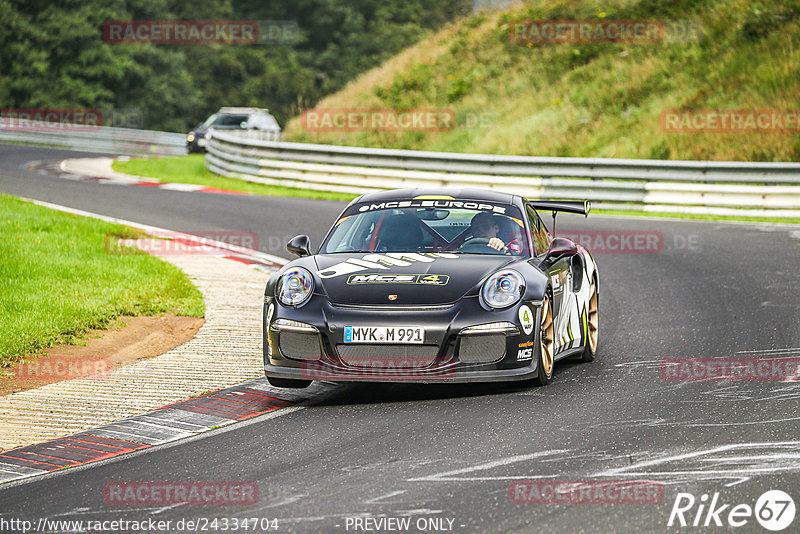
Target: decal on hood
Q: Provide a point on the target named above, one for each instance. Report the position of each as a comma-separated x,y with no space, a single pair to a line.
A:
382,261
422,279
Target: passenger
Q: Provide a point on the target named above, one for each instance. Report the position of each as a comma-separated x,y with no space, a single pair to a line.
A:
484,226
510,233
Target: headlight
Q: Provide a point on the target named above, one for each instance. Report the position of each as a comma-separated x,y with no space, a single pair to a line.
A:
190,137
503,289
294,286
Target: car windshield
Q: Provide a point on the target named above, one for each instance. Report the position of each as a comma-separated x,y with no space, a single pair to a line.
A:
458,227
224,120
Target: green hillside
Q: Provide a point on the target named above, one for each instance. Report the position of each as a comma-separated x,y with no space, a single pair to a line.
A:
602,99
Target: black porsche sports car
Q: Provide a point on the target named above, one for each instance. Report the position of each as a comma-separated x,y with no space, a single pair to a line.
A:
428,286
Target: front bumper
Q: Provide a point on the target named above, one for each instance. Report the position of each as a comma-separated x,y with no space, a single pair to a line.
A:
307,343
458,376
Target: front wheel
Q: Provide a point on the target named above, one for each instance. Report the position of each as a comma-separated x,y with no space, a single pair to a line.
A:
288,382
546,345
592,324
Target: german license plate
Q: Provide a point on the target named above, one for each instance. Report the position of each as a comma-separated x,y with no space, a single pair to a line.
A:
384,334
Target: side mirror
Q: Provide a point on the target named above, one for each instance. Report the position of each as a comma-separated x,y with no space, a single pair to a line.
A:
560,246
299,245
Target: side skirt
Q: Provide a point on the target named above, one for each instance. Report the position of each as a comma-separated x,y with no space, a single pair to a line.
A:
567,353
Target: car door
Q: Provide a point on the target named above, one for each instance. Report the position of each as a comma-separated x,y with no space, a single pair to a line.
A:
566,327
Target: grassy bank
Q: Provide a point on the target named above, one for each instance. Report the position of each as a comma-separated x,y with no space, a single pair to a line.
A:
57,280
191,169
590,99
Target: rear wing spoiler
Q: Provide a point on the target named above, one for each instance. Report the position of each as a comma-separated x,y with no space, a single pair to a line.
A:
580,207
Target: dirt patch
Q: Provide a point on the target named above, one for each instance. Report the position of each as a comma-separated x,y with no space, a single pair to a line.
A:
105,350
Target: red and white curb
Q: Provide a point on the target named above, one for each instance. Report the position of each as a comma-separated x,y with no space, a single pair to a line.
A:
99,171
170,423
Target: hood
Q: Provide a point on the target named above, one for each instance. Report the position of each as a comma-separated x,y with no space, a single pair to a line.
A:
415,278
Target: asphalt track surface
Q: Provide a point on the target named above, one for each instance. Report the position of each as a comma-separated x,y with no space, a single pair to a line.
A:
450,452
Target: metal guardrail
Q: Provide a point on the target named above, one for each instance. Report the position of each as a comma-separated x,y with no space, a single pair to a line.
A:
103,139
701,187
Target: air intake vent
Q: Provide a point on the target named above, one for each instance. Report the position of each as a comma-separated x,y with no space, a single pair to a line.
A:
482,349
299,346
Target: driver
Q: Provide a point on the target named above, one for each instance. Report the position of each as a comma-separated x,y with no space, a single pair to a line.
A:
484,226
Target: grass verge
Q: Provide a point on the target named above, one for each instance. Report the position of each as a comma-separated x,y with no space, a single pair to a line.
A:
191,169
57,281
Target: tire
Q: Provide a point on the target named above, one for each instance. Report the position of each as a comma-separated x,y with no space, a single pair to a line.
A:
592,324
545,346
288,382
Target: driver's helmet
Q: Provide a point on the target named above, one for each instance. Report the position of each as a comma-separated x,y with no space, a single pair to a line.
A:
400,233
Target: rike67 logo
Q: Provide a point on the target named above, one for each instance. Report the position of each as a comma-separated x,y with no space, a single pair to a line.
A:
774,510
